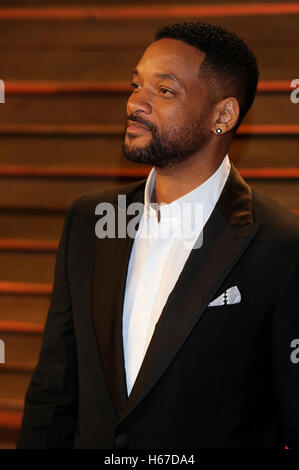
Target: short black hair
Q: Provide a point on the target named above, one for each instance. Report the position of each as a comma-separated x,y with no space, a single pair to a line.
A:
229,65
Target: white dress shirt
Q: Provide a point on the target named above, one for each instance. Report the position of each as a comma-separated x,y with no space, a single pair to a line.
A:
158,255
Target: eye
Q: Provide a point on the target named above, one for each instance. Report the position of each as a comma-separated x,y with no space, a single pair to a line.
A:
134,85
166,91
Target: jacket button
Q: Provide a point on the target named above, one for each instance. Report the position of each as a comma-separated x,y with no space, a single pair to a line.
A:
121,441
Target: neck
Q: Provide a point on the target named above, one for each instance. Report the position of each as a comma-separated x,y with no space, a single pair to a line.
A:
173,182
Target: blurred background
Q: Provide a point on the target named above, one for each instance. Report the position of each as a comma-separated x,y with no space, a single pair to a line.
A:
66,66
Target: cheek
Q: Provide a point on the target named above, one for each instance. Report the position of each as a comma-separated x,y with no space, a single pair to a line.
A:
168,117
196,107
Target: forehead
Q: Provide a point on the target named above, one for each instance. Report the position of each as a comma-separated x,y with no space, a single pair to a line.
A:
171,56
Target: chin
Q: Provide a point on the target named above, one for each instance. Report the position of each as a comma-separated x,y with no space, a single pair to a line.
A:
134,146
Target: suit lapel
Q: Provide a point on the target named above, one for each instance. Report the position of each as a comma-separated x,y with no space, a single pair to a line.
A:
110,269
226,236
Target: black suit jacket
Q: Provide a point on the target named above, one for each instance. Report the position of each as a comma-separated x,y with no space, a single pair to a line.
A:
212,377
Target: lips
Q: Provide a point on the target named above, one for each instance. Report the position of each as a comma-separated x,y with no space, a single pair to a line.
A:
136,128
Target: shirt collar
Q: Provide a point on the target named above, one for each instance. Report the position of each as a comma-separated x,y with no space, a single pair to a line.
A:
206,193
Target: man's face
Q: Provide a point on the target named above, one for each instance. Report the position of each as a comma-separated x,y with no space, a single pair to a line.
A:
168,110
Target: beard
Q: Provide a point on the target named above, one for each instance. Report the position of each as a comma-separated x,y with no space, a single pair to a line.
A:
167,148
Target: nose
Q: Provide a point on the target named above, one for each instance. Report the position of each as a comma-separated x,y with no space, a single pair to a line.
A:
139,101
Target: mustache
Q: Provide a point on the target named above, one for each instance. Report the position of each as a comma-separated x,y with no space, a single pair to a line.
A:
151,127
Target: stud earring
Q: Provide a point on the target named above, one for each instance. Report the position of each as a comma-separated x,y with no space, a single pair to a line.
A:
218,130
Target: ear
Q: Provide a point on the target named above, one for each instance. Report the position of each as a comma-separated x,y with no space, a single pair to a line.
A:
227,115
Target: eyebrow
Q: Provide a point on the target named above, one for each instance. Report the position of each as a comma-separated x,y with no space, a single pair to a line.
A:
162,75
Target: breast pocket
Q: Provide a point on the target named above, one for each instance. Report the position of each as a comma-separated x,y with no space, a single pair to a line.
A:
226,314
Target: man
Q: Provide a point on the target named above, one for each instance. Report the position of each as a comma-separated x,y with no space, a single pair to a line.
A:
148,342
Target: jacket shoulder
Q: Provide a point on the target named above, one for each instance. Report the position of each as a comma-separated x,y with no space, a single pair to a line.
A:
276,220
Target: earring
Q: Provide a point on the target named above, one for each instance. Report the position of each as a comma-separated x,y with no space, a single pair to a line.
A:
218,130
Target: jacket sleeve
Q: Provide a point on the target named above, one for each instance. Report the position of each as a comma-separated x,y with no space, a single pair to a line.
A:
285,354
51,402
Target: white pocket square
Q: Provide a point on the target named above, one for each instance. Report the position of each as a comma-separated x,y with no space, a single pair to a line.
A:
229,297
